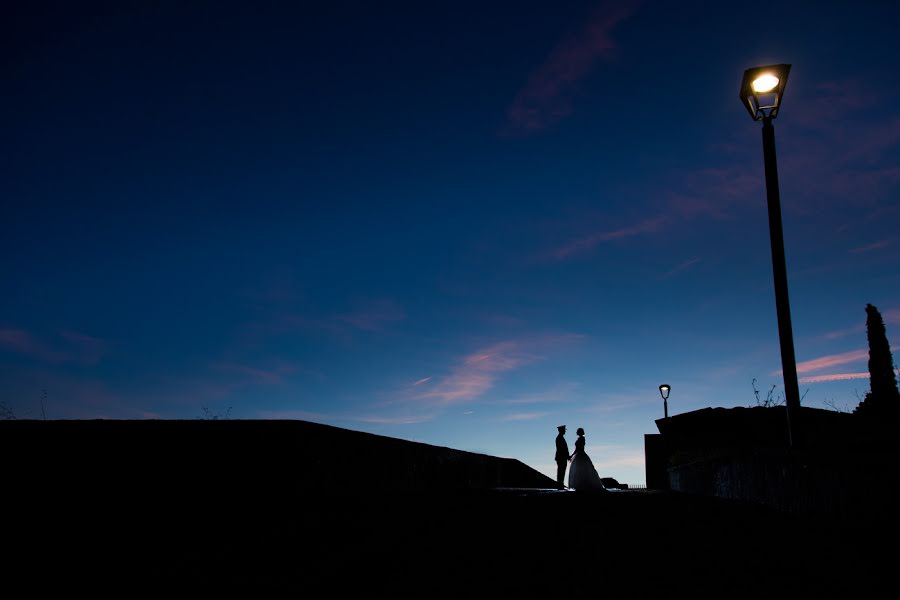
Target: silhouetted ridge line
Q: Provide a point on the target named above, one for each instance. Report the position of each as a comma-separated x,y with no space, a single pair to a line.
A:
278,455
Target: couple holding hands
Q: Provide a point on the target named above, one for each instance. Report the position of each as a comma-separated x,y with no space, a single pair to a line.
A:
582,474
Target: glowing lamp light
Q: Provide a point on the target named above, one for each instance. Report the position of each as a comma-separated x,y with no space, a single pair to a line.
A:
664,392
765,83
762,90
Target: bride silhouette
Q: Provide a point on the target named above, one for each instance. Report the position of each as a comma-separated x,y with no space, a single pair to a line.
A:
582,474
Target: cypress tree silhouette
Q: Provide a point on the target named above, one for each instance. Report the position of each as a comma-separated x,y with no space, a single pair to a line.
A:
883,399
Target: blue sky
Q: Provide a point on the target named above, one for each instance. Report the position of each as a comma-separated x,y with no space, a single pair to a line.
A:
457,223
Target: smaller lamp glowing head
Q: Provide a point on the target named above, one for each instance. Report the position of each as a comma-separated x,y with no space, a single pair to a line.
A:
664,390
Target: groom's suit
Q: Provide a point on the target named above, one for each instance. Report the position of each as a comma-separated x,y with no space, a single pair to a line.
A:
562,459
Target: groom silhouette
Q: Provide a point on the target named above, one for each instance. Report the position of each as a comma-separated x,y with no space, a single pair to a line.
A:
562,457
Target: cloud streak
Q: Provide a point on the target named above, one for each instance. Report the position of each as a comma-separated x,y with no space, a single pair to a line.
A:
831,360
681,267
833,377
545,99
559,393
870,247
523,416
255,374
477,372
588,242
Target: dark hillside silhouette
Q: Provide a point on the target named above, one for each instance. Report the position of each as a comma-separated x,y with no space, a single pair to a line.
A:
256,507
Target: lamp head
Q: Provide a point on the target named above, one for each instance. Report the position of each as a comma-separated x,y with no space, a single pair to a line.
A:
762,90
664,390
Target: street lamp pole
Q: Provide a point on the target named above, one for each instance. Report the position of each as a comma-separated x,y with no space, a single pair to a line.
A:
762,91
782,304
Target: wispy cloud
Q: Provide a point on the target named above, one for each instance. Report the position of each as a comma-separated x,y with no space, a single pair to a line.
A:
423,380
366,317
714,192
65,347
681,267
559,393
873,246
890,317
837,377
23,342
545,99
839,333
833,377
588,242
831,360
254,374
528,416
477,372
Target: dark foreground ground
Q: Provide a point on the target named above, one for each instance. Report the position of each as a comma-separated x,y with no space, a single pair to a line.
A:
261,509
482,544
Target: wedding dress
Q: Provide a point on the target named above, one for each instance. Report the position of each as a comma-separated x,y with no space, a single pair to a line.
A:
582,474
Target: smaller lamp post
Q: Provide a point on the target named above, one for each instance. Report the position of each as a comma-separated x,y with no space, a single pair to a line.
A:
664,392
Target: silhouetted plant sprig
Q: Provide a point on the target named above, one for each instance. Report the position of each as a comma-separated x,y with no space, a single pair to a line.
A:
833,406
772,398
6,413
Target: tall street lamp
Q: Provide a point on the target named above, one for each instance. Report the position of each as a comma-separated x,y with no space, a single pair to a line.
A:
664,392
762,90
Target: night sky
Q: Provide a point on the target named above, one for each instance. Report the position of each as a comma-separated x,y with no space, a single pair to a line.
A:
460,223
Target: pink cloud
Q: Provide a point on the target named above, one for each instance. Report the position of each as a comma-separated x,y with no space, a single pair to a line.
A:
423,380
478,371
589,242
832,360
545,98
833,377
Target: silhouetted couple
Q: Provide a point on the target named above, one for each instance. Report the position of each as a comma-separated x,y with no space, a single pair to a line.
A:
582,474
